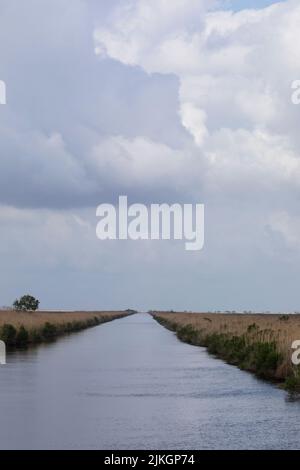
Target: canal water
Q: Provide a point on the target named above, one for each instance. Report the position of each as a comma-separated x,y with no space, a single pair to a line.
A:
130,384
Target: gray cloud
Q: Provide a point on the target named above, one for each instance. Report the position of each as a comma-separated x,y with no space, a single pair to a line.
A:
63,101
192,106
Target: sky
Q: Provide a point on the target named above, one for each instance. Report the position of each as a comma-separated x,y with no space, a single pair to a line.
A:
236,5
163,101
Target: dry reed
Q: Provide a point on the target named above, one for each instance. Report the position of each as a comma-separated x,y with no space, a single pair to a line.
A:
281,330
18,329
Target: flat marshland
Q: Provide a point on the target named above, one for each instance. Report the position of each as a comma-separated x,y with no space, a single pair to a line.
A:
19,329
261,343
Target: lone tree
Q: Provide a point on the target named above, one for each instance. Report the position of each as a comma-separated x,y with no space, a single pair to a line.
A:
26,303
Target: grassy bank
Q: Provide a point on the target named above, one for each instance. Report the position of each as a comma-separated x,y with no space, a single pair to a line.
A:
257,343
21,329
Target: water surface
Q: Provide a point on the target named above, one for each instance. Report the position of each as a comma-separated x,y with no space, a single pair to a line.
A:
130,384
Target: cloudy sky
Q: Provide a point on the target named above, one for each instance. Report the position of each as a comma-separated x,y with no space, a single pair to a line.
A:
164,101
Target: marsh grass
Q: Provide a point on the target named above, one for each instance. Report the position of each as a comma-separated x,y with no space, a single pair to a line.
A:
20,329
260,343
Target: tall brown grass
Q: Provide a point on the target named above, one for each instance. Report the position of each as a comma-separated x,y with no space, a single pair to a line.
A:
23,328
32,320
281,330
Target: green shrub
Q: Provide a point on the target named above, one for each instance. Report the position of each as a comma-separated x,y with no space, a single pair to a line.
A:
265,358
233,349
8,334
292,383
215,343
49,331
35,336
22,337
188,334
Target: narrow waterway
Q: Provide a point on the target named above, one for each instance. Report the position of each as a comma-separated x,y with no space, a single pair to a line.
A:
130,384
